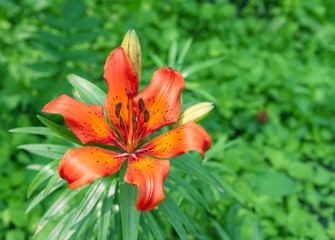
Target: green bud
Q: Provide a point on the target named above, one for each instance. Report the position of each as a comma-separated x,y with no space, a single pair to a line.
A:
131,46
195,113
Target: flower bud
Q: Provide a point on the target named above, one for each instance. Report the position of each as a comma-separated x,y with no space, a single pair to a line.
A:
194,113
131,46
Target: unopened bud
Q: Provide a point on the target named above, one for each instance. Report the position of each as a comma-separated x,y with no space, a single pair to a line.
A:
195,113
131,46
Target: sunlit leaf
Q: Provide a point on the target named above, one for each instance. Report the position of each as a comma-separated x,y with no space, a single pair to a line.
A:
87,91
129,215
41,176
51,151
60,130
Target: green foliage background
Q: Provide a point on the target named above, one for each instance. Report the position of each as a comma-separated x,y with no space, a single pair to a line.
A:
279,58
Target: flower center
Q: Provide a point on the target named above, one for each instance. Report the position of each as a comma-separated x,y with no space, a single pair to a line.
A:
131,140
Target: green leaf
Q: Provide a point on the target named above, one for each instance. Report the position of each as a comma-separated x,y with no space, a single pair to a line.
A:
173,54
190,166
198,89
200,66
41,195
41,176
51,151
179,214
180,182
228,189
255,231
34,130
60,130
105,212
182,55
85,206
87,91
154,226
174,220
157,60
222,233
130,217
57,207
53,180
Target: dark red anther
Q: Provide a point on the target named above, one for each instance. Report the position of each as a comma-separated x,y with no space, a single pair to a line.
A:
121,123
118,109
146,115
141,104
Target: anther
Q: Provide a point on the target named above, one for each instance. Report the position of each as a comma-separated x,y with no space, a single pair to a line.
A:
121,123
118,109
146,115
141,104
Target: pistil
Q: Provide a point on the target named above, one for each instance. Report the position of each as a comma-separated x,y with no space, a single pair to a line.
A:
131,117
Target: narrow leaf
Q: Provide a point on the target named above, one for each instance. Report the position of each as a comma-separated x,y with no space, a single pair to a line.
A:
157,60
87,91
51,151
86,205
200,66
57,207
222,233
41,176
52,182
189,188
154,226
182,55
130,217
60,130
40,196
190,166
175,222
173,54
105,214
34,130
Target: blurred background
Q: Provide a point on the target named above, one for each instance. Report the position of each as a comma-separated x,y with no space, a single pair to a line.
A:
273,125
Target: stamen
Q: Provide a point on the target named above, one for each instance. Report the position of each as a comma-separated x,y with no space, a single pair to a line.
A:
141,104
118,109
121,122
146,115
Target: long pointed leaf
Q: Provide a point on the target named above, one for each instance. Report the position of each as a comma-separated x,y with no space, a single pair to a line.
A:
51,151
175,222
154,226
106,208
86,205
200,66
40,196
60,130
129,215
34,130
87,91
41,176
61,202
190,166
189,188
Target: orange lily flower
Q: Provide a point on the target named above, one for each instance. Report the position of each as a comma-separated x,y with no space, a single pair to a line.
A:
135,116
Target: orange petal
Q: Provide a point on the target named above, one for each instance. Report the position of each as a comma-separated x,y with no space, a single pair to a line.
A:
162,100
120,76
149,175
190,136
84,165
87,122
